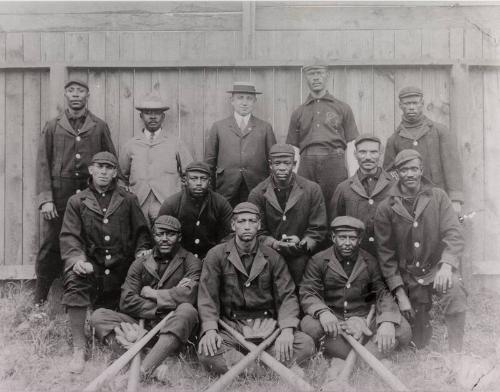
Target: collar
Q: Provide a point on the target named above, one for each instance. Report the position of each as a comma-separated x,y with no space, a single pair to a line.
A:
239,118
326,97
159,258
148,134
92,187
288,186
343,259
252,251
425,188
363,176
71,116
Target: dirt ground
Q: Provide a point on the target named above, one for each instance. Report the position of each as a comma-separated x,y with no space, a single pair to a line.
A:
35,352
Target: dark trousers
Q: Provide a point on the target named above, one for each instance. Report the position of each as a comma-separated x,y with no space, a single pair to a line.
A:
326,170
240,195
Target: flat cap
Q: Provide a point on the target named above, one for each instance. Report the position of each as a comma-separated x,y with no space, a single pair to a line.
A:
282,150
246,206
76,81
152,101
168,222
199,167
410,91
347,222
315,65
405,156
104,157
366,137
244,87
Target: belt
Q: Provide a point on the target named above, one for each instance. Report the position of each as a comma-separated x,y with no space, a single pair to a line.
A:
250,314
321,150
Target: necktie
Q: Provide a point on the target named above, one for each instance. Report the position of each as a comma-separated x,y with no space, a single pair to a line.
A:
242,124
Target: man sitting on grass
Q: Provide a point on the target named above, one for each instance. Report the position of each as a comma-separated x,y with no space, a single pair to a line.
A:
163,281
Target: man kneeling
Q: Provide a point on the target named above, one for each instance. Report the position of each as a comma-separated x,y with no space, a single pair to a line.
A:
242,283
164,281
339,286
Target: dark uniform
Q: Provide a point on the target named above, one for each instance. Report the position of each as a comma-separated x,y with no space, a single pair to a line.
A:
321,129
348,289
303,215
66,148
411,247
229,292
106,229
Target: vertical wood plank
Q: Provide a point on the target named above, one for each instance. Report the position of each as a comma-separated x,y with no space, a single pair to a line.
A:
112,87
307,44
127,44
436,88
241,74
473,43
165,45
14,167
436,43
112,45
337,84
220,45
248,30
192,43
142,46
457,43
383,44
77,47
408,44
53,47
31,47
357,44
330,44
3,151
360,97
491,46
3,38
383,104
166,83
286,98
264,44
127,110
97,46
97,77
264,82
14,47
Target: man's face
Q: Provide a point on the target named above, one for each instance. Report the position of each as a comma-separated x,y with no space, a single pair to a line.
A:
153,119
76,96
245,226
367,154
166,240
346,241
316,79
197,183
243,103
102,173
281,167
412,107
410,175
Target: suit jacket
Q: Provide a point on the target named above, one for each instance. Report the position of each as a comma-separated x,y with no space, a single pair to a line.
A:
236,155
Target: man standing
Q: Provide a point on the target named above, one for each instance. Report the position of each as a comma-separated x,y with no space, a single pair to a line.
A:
420,243
359,195
204,214
339,286
321,128
238,146
293,211
435,143
102,232
246,283
66,147
152,161
161,282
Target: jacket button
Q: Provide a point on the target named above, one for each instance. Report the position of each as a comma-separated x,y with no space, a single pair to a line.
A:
421,281
196,255
284,217
107,250
247,284
249,320
104,209
105,220
108,257
197,223
345,304
415,224
106,271
78,191
78,156
107,238
371,239
370,201
348,285
265,313
417,244
415,143
77,174
417,264
78,138
197,241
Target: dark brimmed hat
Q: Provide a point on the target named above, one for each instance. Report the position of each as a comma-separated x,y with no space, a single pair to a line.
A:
410,91
246,206
405,156
104,157
199,167
76,81
364,137
168,222
315,65
281,150
244,87
152,101
347,223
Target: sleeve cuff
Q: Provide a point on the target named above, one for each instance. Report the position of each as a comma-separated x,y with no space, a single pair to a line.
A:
69,263
315,309
292,322
207,326
451,260
391,317
394,282
44,197
456,196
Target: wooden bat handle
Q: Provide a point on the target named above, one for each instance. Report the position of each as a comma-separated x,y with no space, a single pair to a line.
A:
286,374
134,372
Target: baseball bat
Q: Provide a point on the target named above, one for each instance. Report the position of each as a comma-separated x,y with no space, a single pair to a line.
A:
286,374
134,372
116,366
232,373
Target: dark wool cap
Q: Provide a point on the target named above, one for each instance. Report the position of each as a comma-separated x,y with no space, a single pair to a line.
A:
168,222
199,167
347,222
365,137
105,157
405,156
76,81
246,206
281,150
410,91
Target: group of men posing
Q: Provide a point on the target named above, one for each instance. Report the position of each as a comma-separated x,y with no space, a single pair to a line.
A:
306,251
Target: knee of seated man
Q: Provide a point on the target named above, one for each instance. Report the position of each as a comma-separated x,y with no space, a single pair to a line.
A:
187,310
312,327
303,347
455,298
403,333
215,364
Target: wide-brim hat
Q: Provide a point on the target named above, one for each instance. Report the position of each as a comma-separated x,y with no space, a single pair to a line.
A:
152,102
243,87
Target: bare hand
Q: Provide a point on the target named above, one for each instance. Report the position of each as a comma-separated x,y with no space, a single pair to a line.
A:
261,329
356,327
386,337
82,267
330,323
210,343
143,253
289,241
49,211
404,304
127,334
148,292
184,282
307,244
443,281
284,345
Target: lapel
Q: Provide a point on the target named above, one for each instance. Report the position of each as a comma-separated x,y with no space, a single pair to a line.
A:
88,124
359,267
172,266
233,126
250,126
116,200
234,257
295,195
414,133
383,180
64,123
357,187
398,208
422,202
258,265
150,266
91,202
270,196
335,265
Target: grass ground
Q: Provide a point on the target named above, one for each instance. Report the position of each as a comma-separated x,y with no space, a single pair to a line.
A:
36,350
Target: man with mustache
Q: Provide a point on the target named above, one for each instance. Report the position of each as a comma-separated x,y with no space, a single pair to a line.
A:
420,245
152,161
437,145
103,231
66,147
359,195
320,130
204,214
161,282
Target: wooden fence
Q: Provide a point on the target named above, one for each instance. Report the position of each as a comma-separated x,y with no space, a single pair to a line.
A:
192,52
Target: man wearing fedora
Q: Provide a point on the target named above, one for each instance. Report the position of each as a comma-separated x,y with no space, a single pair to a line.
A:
152,161
66,147
238,146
